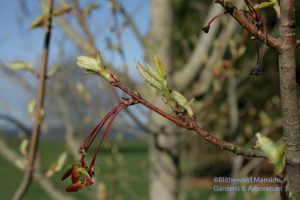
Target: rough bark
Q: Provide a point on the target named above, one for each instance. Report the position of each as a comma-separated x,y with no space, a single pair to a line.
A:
287,70
164,151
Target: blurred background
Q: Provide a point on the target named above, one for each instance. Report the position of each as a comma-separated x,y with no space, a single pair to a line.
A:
144,156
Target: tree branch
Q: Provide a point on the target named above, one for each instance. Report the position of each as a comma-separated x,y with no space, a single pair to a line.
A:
17,123
191,124
28,176
82,22
289,96
251,27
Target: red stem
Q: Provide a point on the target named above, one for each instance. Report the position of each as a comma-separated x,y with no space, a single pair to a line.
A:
271,41
113,116
211,21
88,141
141,100
190,124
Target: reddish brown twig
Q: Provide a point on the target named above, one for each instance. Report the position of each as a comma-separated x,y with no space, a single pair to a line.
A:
190,124
28,176
251,27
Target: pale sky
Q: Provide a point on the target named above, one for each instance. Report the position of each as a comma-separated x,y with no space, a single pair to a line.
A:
18,42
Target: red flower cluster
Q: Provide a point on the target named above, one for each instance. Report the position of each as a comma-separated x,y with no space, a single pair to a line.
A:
80,177
81,174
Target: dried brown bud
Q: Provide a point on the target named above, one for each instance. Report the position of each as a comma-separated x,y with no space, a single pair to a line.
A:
205,29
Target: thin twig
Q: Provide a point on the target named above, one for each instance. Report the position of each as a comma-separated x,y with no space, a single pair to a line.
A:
191,124
251,27
28,176
118,34
82,22
132,25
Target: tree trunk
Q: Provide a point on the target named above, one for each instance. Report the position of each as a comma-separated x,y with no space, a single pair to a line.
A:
289,101
164,147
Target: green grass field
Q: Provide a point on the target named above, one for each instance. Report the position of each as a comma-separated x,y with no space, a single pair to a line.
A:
122,170
124,174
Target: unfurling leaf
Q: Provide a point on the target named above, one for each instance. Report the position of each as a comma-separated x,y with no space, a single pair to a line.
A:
31,107
271,3
95,66
53,71
156,77
89,8
24,147
40,21
57,165
149,77
277,9
267,146
20,65
280,159
183,102
263,5
89,64
160,68
63,10
83,171
275,154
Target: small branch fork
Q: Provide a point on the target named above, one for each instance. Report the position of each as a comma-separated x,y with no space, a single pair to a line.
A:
271,41
188,123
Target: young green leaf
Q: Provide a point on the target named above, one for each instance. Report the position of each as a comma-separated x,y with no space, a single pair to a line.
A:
280,159
148,77
40,21
267,146
275,154
160,68
31,107
183,102
95,66
89,64
20,65
24,147
63,10
263,5
53,71
83,171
